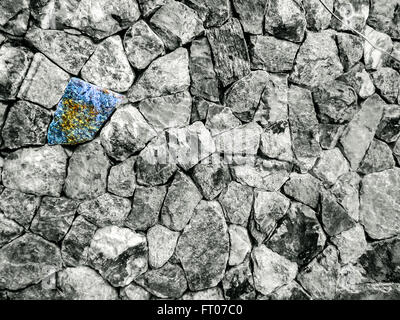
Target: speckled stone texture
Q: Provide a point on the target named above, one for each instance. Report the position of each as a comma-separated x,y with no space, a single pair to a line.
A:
199,149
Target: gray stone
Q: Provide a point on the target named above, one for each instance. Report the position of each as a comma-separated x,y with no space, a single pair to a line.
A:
360,131
290,291
166,282
371,291
121,179
207,294
87,172
181,199
214,13
396,150
134,292
382,16
147,203
44,290
318,18
360,80
300,236
199,109
393,60
329,135
166,75
251,14
229,51
26,125
244,95
236,202
238,283
167,111
317,61
14,16
147,7
69,51
268,175
320,276
380,210
83,283
272,54
211,176
108,66
106,210
373,58
54,218
9,230
27,260
346,192
204,82
44,83
176,24
269,209
351,49
142,45
14,63
126,133
304,188
40,171
220,119
119,254
389,127
379,157
77,241
276,142
271,270
162,243
387,81
354,15
330,166
285,19
203,247
240,244
19,206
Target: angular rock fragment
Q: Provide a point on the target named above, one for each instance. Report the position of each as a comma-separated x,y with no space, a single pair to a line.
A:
212,176
379,208
142,45
346,192
389,127
166,75
360,80
14,16
109,67
352,15
162,243
126,133
272,54
166,282
176,24
167,111
229,51
214,13
155,164
373,58
238,283
393,61
379,157
330,166
119,254
83,283
14,63
383,17
39,171
181,199
271,270
19,206
121,179
285,19
320,276
147,7
77,241
81,112
360,131
27,260
220,119
204,80
268,175
304,188
244,95
317,61
290,291
318,18
251,14
106,210
203,247
207,294
9,230
236,202
44,290
69,51
26,125
240,244
87,172
300,237
329,135
54,218
351,49
351,244
44,83
147,203
134,292
387,81
276,142
371,291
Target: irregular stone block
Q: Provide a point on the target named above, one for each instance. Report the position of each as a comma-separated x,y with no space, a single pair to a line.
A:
251,14
318,18
379,157
303,188
162,243
238,283
121,179
214,13
373,58
9,230
387,81
382,17
351,49
240,244
354,15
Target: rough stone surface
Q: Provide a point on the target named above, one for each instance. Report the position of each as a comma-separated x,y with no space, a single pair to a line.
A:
389,127
360,80
318,18
251,14
387,81
9,230
121,179
304,188
383,17
240,244
162,243
379,157
207,294
330,166
238,283
373,58
214,13
351,49
354,15
351,244
134,292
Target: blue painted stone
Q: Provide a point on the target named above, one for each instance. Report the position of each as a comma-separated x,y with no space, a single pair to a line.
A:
81,112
